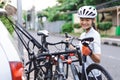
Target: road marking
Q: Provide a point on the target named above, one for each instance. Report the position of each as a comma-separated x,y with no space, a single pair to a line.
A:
112,57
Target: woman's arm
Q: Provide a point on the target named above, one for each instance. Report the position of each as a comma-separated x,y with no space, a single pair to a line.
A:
95,57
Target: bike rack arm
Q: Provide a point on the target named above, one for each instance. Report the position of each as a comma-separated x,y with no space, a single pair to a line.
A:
23,31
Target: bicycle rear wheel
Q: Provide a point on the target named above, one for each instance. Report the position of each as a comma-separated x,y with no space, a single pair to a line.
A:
104,75
42,70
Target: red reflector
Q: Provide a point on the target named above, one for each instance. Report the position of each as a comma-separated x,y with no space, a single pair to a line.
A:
16,70
71,54
47,57
69,61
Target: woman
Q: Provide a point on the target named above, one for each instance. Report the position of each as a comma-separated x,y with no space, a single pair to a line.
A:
87,16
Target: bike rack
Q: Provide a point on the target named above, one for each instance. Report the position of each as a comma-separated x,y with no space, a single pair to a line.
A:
21,31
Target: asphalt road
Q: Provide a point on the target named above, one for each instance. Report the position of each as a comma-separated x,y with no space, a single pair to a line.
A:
110,58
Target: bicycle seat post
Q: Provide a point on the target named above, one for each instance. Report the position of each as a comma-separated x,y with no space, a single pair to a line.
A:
44,35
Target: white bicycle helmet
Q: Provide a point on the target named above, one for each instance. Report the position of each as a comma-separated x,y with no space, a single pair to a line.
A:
87,12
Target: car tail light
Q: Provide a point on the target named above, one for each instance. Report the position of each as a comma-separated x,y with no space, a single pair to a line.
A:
16,70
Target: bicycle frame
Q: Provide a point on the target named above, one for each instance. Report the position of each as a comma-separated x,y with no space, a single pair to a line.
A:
84,73
82,58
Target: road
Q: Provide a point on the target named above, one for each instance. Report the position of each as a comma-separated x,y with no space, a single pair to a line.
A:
110,58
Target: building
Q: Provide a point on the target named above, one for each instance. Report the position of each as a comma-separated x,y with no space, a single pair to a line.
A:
114,16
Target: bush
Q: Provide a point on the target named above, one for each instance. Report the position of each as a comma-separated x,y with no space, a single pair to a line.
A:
76,26
56,17
7,24
67,27
104,26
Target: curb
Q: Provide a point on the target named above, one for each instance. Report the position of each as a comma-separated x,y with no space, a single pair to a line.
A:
111,41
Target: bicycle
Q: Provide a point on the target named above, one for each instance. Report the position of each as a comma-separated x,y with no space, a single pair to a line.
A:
82,60
90,69
59,70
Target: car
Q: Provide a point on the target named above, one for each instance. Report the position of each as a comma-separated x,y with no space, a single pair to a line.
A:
11,65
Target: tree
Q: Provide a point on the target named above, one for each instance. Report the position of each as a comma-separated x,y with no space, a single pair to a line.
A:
2,4
60,11
94,2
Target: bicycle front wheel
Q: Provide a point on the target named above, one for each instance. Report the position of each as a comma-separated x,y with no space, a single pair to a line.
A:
102,73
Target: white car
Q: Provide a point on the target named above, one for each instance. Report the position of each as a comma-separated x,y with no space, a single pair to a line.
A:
11,66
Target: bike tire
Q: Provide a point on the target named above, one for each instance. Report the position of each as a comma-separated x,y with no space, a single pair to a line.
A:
104,73
39,75
46,71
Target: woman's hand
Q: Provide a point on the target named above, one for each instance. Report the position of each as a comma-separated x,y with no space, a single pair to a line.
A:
86,51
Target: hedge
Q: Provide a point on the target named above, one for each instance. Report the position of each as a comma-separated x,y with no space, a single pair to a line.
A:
104,26
67,27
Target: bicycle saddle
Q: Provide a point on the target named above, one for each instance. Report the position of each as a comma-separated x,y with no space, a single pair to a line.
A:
89,39
86,41
43,32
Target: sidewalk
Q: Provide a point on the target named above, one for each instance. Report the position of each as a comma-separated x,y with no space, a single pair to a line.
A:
115,41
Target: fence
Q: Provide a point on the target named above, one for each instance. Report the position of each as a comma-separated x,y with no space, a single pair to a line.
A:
54,27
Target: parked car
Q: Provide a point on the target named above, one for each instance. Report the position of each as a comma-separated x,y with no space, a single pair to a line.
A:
11,66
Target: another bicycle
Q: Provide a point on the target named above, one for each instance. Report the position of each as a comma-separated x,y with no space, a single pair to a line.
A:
84,73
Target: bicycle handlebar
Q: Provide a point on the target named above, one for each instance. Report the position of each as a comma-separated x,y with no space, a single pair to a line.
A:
61,42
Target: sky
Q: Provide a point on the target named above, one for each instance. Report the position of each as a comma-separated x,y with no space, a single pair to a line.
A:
39,4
